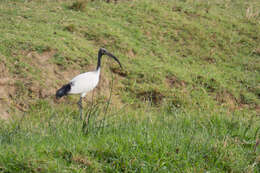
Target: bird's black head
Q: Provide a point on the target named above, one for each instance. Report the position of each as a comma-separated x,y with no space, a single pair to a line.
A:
103,51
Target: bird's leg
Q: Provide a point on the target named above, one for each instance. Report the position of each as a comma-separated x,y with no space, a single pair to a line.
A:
80,107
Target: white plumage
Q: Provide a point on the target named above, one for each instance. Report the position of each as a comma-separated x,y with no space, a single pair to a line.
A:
84,82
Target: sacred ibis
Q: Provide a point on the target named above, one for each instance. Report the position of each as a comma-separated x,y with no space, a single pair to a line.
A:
85,82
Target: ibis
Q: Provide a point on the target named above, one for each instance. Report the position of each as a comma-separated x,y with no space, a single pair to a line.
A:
85,82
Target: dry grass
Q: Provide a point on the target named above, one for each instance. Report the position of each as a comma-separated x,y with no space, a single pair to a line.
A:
79,5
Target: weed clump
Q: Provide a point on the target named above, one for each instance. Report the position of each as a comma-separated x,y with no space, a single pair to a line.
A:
79,5
155,97
174,81
211,85
70,28
118,71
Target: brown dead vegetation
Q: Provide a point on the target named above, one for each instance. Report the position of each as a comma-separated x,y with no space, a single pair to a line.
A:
257,108
211,85
210,60
80,5
81,160
131,53
227,99
119,71
153,96
257,51
173,81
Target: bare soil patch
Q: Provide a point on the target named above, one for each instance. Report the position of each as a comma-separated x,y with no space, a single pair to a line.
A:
20,91
227,99
51,74
7,90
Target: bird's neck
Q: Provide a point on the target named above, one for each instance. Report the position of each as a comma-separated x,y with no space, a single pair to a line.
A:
99,61
98,70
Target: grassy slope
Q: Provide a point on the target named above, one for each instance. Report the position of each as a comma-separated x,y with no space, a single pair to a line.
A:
198,64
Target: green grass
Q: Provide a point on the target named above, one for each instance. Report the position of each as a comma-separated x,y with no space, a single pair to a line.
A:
196,63
144,141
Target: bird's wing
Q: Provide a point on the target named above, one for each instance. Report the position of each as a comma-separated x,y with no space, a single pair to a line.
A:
80,77
84,82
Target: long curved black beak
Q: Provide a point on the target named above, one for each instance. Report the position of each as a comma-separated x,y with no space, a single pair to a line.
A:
112,56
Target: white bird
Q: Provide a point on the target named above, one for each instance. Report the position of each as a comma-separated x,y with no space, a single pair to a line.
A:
84,82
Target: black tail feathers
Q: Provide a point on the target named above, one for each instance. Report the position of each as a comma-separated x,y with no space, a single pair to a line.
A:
63,91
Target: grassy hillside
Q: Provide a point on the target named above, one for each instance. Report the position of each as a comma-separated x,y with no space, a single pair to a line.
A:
186,100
